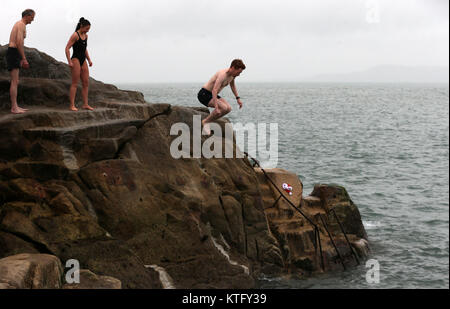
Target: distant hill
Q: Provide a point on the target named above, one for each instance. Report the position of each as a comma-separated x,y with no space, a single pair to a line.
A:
389,74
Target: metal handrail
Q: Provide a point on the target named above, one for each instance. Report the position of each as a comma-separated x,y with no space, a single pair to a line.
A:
345,235
332,241
316,228
317,240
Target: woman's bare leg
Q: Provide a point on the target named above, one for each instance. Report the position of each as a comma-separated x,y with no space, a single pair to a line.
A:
75,80
85,83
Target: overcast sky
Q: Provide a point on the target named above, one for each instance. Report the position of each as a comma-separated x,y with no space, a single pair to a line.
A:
279,40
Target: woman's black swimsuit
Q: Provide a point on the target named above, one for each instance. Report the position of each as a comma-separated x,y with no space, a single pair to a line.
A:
79,49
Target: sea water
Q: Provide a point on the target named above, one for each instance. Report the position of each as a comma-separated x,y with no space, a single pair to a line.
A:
387,144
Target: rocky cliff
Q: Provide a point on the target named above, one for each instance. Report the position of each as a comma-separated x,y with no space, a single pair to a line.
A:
46,83
102,187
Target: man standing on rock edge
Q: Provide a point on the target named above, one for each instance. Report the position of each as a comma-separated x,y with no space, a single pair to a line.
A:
209,97
15,56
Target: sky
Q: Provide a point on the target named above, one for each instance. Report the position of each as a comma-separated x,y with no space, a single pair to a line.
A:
279,40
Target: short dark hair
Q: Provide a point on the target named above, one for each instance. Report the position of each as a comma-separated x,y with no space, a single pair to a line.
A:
28,12
237,64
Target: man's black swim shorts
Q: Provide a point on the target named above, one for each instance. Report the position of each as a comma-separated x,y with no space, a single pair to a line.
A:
205,96
13,58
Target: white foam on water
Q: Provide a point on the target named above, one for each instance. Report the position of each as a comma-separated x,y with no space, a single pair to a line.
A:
225,254
363,246
371,225
164,277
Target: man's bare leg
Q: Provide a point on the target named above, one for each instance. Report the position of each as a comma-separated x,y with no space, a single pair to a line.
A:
15,109
223,108
85,83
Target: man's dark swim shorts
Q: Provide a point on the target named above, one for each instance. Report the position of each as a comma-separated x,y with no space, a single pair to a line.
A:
13,58
205,96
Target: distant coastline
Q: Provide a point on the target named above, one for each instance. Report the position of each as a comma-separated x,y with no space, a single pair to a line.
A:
389,74
383,75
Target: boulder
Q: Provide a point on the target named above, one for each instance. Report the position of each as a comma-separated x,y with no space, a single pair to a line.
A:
31,271
335,197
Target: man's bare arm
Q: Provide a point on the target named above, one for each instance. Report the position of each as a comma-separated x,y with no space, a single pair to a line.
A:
233,88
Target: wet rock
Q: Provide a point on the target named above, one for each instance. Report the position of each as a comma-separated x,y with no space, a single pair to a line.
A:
362,248
296,232
334,197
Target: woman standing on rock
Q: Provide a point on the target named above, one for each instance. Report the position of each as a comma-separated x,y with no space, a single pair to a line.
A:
78,64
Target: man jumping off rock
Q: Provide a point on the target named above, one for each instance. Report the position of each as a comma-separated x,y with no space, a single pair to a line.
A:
15,56
209,97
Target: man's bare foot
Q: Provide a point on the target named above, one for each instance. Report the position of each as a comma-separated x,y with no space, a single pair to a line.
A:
206,129
18,110
87,107
73,108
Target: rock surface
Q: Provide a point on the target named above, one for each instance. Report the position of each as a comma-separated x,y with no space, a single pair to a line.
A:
44,271
102,187
295,230
89,280
30,271
47,83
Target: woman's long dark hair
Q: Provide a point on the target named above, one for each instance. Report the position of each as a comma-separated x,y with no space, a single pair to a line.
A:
82,23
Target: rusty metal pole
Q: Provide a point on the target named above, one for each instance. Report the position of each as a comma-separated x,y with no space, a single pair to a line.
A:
317,232
346,238
293,206
332,241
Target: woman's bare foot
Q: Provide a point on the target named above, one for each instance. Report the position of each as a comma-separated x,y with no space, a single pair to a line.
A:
87,107
73,108
18,110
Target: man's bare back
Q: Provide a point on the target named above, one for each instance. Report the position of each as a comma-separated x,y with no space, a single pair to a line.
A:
18,34
221,76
